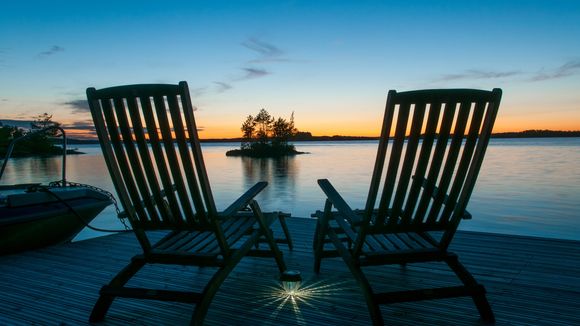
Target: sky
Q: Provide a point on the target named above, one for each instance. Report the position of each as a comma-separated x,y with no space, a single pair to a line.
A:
330,62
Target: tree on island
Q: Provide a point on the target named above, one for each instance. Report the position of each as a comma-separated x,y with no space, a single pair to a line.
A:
38,143
265,136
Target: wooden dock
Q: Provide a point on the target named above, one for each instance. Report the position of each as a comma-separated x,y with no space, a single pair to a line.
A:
530,281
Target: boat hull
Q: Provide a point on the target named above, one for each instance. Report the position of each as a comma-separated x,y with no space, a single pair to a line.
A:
38,220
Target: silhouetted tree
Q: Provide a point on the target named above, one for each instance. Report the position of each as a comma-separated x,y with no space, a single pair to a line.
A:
7,134
39,142
36,144
248,130
263,122
263,135
42,121
282,130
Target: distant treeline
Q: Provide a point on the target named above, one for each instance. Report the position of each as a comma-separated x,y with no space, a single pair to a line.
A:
306,136
536,134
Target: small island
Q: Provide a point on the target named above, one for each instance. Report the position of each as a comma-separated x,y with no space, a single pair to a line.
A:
265,136
37,143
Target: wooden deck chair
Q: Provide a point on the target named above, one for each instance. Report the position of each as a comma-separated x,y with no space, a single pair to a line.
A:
149,140
433,143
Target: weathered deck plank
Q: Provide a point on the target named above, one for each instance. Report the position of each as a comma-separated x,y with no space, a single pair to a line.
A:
530,281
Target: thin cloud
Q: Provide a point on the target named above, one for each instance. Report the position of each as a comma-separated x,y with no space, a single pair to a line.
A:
567,69
251,73
78,106
222,87
196,92
479,74
53,50
265,51
81,125
81,129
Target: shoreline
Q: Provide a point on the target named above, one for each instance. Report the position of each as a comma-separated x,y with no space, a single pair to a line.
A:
502,135
49,154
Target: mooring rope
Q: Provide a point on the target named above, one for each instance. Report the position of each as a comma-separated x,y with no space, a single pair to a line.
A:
53,184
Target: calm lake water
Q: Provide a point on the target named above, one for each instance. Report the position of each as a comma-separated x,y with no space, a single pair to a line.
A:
526,186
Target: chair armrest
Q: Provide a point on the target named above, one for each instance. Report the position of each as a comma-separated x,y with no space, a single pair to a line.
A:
349,218
466,216
337,201
244,199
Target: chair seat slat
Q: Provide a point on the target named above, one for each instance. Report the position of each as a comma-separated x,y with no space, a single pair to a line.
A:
409,241
420,240
374,243
170,239
384,241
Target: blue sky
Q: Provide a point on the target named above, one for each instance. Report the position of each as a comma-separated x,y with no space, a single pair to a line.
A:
331,62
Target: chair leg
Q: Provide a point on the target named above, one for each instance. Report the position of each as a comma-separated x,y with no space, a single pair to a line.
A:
483,307
266,232
318,246
316,232
105,300
355,269
209,292
372,305
320,233
478,295
282,218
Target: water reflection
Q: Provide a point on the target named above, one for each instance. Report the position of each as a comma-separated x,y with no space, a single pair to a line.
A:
280,173
527,187
27,170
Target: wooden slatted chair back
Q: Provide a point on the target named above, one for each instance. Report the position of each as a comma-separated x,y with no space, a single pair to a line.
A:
432,144
150,143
